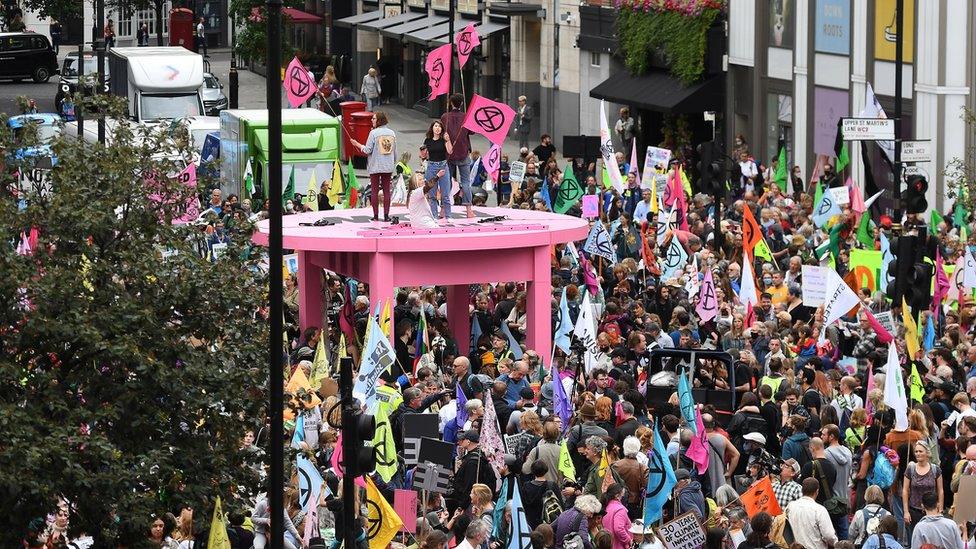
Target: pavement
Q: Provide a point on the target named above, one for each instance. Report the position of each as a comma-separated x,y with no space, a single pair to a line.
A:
411,125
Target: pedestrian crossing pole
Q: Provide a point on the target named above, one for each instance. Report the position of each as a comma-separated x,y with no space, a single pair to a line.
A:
276,497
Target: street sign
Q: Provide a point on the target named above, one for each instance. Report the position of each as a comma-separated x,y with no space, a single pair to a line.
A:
868,129
916,151
908,171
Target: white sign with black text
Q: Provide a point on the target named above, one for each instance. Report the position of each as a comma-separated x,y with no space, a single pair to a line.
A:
916,151
868,129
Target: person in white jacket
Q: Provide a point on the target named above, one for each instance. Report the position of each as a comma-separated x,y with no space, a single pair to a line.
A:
809,520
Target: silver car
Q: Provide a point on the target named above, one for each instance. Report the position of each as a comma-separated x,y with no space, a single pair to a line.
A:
214,99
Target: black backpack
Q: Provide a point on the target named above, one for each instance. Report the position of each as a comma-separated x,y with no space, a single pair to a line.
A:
755,424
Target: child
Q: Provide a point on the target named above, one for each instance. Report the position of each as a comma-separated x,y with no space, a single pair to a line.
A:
417,205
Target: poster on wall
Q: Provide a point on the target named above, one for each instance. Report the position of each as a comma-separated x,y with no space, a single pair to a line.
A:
830,106
781,18
885,35
833,29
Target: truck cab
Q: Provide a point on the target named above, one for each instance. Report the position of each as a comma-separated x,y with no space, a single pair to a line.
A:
310,145
160,83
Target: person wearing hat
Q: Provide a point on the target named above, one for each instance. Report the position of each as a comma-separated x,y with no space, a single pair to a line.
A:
688,494
593,450
784,487
474,468
581,432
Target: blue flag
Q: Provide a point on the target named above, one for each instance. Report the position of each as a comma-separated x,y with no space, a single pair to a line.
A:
475,333
309,482
565,325
513,344
299,435
498,514
560,401
687,402
545,195
827,208
660,480
521,532
886,258
928,341
462,414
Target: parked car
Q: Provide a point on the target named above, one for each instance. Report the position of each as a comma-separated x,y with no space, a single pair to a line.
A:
26,55
70,74
214,99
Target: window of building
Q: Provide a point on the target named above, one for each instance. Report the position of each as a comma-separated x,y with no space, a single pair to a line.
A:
594,59
779,126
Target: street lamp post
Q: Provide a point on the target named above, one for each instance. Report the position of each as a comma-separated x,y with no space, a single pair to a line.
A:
899,64
99,44
232,77
276,496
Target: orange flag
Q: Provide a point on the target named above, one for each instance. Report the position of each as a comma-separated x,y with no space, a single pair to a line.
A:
760,497
751,231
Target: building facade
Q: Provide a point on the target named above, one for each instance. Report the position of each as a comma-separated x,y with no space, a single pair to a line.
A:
795,67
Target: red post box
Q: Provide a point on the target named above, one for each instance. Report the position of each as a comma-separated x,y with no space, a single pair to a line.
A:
348,109
181,28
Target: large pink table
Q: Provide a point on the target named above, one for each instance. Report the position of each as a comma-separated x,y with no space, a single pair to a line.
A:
455,255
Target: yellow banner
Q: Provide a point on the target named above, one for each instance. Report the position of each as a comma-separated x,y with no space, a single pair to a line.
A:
866,268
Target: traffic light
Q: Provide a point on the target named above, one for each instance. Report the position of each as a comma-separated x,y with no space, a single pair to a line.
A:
915,202
358,454
918,294
710,168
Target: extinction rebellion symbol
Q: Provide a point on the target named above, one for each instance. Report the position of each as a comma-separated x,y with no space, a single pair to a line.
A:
489,118
299,82
436,73
464,43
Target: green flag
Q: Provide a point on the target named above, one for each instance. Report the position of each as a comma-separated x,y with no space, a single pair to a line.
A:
818,194
917,389
832,244
386,457
959,214
288,193
566,466
248,180
570,191
607,184
782,172
352,189
864,234
843,159
934,219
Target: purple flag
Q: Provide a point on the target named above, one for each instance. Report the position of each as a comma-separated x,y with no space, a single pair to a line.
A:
560,401
462,414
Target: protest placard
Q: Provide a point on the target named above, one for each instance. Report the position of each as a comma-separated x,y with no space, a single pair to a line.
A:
814,285
684,532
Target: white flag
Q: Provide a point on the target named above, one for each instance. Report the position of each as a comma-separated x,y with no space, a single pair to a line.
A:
838,299
747,285
873,109
606,150
585,331
969,278
491,441
894,389
399,195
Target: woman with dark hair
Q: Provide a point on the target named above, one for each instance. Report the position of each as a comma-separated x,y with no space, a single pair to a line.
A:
380,149
615,519
438,146
160,530
761,523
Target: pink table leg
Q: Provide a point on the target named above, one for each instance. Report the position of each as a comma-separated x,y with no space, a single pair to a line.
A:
309,292
381,284
458,317
539,304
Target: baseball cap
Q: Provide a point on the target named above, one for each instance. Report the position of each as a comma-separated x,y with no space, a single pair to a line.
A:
471,436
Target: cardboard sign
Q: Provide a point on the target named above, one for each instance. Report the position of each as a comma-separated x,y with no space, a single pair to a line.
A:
841,195
656,158
965,500
887,320
432,477
291,262
436,451
516,171
814,285
684,532
405,505
591,206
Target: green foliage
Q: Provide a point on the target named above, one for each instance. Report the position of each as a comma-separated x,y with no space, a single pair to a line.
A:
960,173
252,35
126,380
63,10
682,38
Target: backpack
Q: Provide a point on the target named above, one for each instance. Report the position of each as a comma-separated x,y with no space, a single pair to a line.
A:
551,508
804,456
871,524
614,333
572,539
883,471
755,424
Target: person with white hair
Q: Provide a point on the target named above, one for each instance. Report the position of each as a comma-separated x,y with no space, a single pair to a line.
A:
593,450
633,474
474,536
573,522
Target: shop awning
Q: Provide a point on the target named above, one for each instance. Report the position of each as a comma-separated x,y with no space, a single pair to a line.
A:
427,36
355,20
385,22
485,30
659,91
397,31
299,16
516,9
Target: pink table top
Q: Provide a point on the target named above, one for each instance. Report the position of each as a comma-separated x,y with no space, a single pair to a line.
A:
354,231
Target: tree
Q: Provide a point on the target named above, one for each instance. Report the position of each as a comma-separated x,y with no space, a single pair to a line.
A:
63,10
130,6
126,380
960,173
252,36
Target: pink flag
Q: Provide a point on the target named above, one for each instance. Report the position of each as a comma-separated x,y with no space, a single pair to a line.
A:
466,41
491,441
299,86
750,315
438,69
707,307
191,209
857,201
24,248
489,118
698,449
883,335
941,283
634,167
32,238
591,282
492,161
312,520
337,456
678,199
405,505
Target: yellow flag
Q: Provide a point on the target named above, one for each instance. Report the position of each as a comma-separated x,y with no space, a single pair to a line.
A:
566,466
218,530
334,194
299,381
654,196
911,330
312,193
321,365
343,353
386,458
604,464
684,181
384,524
762,250
386,319
917,389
